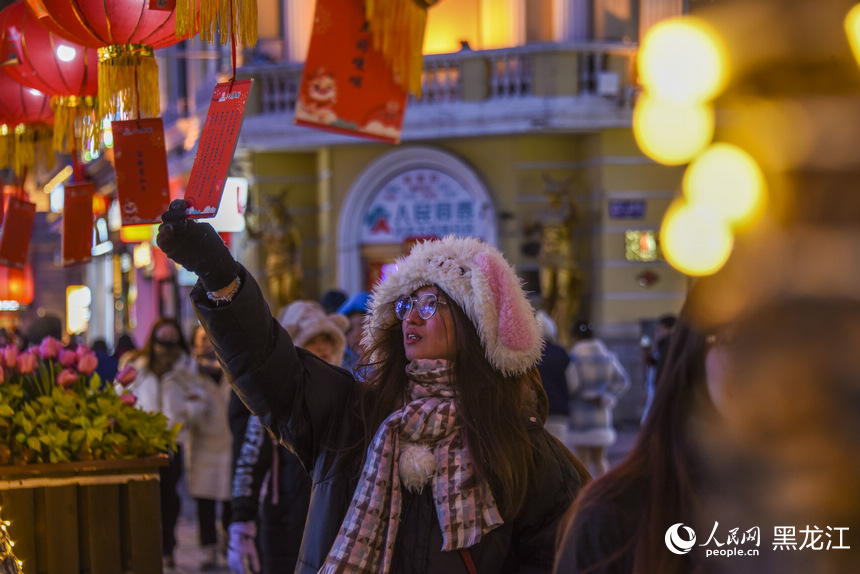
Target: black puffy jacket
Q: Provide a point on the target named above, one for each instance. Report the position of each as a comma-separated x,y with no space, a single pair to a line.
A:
309,405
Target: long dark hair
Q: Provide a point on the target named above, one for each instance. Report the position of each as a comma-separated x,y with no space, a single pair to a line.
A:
489,405
662,464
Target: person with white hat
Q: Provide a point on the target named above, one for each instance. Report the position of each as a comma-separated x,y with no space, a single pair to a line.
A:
439,461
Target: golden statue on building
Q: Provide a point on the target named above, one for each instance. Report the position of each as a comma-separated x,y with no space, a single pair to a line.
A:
559,275
282,245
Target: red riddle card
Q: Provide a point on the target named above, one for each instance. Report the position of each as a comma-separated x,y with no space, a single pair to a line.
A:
77,239
346,86
140,160
218,141
17,229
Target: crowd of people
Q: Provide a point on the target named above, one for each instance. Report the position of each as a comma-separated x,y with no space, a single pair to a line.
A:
451,433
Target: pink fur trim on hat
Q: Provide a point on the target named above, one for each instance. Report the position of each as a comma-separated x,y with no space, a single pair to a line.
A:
477,277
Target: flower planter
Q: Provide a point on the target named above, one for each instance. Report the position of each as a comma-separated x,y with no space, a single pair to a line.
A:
96,517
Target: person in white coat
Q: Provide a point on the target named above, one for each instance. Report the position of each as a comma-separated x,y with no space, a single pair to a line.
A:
598,381
168,382
208,461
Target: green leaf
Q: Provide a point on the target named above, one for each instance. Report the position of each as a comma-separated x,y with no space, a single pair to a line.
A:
34,443
6,411
95,382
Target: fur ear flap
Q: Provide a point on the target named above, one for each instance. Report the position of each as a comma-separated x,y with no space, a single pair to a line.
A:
516,324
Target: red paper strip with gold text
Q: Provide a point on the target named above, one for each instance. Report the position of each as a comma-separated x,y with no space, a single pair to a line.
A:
16,232
140,160
218,141
166,5
346,86
77,238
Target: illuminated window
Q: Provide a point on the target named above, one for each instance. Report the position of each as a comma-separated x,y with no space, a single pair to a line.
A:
642,246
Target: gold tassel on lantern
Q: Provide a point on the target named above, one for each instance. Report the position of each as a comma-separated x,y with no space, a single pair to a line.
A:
397,27
7,143
209,17
75,117
32,146
128,82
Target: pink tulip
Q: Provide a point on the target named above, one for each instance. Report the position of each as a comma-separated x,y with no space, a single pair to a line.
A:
67,358
126,376
128,399
82,350
67,378
49,348
10,355
88,363
26,362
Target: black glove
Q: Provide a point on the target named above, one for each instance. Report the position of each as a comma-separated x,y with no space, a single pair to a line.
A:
196,246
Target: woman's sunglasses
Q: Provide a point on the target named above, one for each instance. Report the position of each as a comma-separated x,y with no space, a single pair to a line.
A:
425,303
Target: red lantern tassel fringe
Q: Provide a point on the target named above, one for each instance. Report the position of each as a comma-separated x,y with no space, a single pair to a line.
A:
128,82
398,27
23,146
224,17
76,127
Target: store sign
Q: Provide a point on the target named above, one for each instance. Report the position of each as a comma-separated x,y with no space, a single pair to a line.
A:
627,209
422,203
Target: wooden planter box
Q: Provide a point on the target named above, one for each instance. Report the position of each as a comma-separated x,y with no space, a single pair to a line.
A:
100,517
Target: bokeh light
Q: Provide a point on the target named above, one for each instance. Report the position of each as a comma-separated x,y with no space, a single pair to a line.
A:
672,133
695,240
852,29
727,180
683,60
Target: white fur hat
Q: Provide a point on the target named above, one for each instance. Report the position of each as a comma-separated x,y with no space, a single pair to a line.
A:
479,279
304,320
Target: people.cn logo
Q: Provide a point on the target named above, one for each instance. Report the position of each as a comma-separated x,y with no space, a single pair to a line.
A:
676,543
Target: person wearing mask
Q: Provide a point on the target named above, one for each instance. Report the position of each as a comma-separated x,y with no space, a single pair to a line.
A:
596,382
439,460
209,455
267,532
168,382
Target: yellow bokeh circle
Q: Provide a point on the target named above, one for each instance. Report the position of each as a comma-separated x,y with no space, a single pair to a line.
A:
683,60
672,133
728,180
694,239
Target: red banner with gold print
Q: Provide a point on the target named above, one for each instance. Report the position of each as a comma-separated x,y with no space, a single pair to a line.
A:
346,86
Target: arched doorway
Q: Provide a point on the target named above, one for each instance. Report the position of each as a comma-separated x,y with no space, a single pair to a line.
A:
408,194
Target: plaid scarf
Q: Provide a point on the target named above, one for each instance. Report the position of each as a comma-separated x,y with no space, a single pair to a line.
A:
365,542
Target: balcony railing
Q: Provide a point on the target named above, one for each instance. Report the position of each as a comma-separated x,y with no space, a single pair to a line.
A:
541,70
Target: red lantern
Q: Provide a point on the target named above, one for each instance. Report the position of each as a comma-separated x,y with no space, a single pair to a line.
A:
64,70
17,284
126,32
25,115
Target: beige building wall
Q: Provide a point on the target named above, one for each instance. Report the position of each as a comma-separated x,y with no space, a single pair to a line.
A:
596,168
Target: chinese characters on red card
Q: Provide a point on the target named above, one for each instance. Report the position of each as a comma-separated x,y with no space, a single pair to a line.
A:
218,141
77,238
346,86
140,160
17,229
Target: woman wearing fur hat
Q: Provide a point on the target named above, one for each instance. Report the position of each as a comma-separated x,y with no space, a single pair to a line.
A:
439,461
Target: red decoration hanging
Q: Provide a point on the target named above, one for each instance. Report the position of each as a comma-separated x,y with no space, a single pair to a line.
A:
39,59
125,32
25,118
